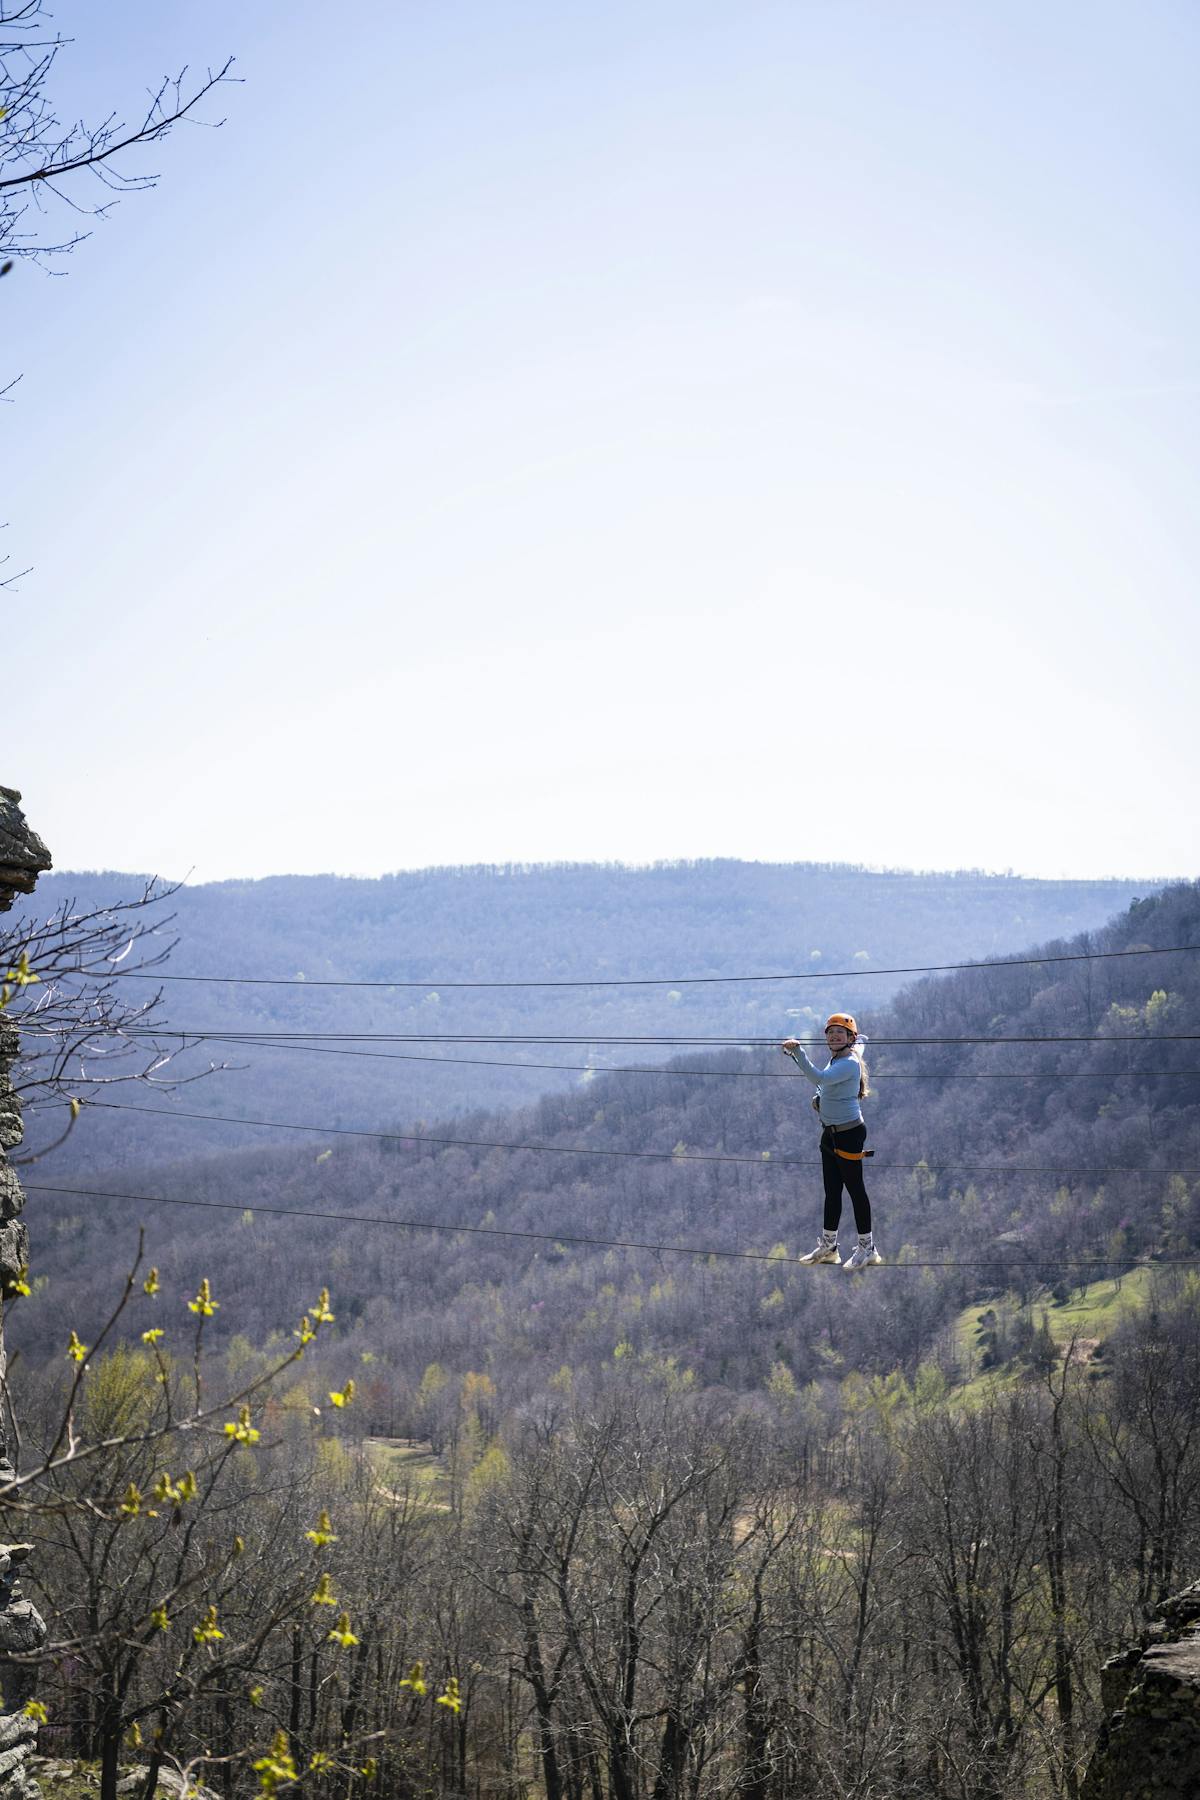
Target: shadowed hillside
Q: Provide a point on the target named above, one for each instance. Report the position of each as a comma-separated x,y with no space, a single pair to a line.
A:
1019,1161
599,922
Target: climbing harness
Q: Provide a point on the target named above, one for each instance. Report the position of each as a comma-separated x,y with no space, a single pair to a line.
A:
852,1155
846,1155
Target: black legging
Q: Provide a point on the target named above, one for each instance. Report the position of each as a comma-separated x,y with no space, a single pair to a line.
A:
839,1174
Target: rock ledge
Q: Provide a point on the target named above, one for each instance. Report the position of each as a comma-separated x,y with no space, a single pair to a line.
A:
1149,1747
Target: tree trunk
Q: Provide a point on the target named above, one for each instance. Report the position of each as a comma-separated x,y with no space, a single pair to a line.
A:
296,1688
150,1785
668,1784
110,1746
754,1724
535,1675
621,1777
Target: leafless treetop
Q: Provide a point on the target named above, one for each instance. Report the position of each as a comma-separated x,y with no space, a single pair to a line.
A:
44,161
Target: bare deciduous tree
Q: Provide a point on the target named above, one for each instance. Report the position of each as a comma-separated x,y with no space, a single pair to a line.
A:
82,1031
42,159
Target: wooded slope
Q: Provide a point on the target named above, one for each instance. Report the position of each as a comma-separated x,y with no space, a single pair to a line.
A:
543,924
1022,1143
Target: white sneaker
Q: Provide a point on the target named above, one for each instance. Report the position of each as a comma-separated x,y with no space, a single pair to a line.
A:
863,1256
825,1252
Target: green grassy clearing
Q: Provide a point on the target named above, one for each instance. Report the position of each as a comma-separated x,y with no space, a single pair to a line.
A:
1087,1317
406,1465
1100,1306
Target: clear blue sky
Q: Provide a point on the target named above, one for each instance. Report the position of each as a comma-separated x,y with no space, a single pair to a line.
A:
644,430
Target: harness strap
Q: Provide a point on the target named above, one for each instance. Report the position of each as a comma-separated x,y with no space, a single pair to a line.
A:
852,1155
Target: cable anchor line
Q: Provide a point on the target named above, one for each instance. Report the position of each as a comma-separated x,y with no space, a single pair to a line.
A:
299,981
878,1075
763,1160
230,1035
558,1237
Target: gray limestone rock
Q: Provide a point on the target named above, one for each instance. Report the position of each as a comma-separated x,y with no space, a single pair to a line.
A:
11,1128
11,1198
23,856
14,1251
170,1782
10,1760
21,1627
1150,1748
16,1728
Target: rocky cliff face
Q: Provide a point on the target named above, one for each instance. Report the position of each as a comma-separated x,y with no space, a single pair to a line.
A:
23,856
1149,1746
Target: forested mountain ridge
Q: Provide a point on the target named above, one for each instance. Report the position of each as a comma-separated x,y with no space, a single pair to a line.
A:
689,1525
1018,1162
555,923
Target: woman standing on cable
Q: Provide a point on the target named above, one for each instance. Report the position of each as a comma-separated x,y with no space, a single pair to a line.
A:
841,1087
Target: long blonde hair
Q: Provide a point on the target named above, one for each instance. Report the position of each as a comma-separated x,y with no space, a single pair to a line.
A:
856,1050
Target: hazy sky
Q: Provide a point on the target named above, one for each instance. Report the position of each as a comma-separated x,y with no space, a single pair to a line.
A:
637,430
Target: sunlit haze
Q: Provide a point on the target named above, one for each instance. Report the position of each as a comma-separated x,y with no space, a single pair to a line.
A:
542,432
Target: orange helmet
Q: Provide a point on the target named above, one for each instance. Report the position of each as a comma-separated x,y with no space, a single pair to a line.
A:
845,1020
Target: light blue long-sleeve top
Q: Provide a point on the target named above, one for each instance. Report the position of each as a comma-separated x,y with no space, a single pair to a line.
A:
837,1085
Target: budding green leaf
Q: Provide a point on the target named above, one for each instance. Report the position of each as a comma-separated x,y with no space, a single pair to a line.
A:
204,1304
451,1697
208,1631
241,1430
324,1595
323,1533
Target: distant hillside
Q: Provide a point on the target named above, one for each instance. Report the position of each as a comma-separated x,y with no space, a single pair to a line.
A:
539,923
1021,1152
999,1341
